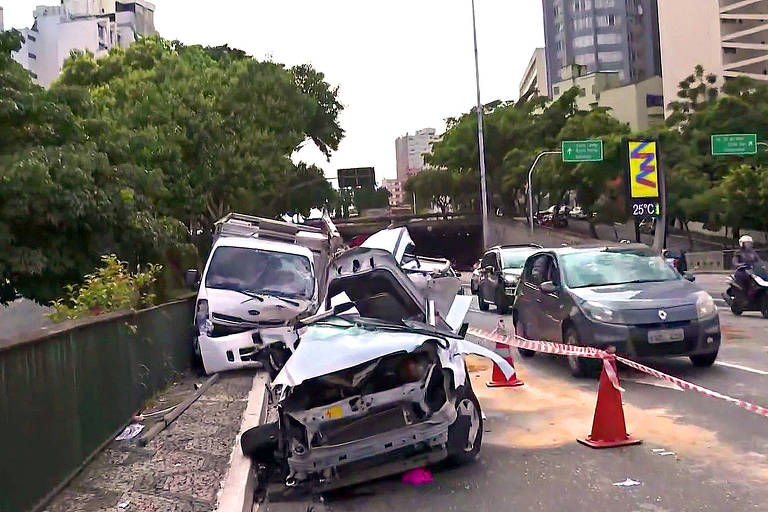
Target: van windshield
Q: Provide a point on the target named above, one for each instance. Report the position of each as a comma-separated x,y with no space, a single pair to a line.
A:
259,271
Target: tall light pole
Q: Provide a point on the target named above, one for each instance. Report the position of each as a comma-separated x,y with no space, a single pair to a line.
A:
480,138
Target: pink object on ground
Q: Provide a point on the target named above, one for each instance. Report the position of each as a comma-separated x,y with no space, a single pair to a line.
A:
417,476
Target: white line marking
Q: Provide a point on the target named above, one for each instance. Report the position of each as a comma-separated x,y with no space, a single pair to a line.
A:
650,381
740,367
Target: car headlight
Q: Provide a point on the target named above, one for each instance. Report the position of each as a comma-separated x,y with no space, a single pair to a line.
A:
202,322
705,306
599,312
511,280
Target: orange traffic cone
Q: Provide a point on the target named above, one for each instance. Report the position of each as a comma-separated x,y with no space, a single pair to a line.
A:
498,380
608,427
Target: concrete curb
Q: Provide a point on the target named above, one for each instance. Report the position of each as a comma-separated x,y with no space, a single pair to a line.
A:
237,492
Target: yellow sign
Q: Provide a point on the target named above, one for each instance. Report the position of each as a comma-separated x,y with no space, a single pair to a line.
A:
643,170
334,412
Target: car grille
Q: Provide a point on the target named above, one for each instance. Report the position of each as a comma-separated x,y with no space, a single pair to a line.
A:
345,431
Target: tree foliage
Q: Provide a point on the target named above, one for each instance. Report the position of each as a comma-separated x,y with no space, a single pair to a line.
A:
133,152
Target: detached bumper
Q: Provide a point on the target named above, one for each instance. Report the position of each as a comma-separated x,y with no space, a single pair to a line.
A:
701,337
239,350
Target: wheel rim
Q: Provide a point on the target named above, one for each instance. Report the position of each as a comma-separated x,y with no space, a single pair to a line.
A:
467,408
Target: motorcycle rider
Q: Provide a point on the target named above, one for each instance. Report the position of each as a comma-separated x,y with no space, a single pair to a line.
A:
745,260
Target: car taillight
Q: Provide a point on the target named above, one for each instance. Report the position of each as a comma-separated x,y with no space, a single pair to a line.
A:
412,369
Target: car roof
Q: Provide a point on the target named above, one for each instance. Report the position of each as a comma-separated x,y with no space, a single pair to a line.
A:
265,245
595,248
513,247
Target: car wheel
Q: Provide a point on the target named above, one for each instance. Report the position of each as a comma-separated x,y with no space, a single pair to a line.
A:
472,288
501,303
465,435
197,357
736,308
580,366
520,329
764,305
704,361
481,301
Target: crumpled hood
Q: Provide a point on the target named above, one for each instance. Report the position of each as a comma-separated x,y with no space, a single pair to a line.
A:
665,294
327,349
238,305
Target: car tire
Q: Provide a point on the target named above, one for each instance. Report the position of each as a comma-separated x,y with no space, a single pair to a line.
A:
764,305
481,301
472,288
520,329
464,442
502,307
704,360
736,308
580,366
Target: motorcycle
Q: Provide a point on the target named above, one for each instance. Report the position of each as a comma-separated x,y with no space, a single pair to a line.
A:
753,296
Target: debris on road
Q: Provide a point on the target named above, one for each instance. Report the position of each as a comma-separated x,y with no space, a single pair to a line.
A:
627,483
130,432
417,477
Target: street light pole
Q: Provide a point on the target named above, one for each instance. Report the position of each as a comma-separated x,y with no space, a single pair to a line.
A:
530,184
480,139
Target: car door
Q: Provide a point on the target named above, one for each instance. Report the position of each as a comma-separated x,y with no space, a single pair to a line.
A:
528,302
552,304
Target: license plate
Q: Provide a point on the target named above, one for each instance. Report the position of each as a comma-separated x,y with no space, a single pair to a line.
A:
666,336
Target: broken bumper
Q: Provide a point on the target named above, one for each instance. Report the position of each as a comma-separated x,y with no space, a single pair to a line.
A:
239,350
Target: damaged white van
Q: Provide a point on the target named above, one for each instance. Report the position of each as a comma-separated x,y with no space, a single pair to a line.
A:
261,276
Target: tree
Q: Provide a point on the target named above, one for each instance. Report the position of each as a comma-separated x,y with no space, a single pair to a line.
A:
365,199
435,187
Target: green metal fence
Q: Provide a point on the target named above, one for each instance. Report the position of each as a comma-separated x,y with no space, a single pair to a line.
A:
63,394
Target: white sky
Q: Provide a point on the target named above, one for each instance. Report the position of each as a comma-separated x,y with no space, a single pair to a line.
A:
401,65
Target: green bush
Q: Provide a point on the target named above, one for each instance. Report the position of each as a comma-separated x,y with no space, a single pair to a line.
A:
111,288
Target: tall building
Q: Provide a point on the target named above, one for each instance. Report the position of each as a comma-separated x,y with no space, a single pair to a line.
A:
396,193
603,35
1,19
536,76
89,25
410,151
727,37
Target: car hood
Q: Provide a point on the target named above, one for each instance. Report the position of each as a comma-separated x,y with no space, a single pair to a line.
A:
327,349
635,296
229,303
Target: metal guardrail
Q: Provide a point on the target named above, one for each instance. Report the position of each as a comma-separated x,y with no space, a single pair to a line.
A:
63,393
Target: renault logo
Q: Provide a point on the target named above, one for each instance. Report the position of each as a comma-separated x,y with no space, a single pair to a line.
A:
663,315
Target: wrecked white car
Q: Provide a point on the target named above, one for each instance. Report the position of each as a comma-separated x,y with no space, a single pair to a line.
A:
377,384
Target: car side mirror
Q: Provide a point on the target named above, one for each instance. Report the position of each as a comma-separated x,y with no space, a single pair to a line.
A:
488,269
192,279
689,277
549,287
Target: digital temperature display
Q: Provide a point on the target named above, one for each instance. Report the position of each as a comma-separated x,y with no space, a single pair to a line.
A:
646,209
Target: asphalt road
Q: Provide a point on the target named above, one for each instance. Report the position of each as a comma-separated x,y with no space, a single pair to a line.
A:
531,462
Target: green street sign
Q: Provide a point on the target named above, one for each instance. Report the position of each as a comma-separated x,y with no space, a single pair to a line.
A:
582,151
734,144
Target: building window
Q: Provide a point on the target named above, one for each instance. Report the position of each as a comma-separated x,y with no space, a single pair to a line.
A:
609,38
585,59
582,92
610,56
583,42
31,37
608,20
582,23
556,90
32,56
602,4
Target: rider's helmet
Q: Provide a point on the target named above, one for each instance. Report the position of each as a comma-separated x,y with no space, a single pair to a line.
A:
745,242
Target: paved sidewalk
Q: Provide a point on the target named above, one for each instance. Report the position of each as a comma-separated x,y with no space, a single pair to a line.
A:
182,469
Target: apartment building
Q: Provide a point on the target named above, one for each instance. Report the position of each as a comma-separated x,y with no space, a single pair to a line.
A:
88,25
535,77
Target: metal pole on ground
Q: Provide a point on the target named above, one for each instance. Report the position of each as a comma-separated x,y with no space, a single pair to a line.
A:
530,184
480,139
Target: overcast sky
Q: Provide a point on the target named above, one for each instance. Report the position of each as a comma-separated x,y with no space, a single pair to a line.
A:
401,65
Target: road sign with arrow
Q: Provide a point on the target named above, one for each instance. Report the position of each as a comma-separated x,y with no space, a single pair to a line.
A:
582,151
734,144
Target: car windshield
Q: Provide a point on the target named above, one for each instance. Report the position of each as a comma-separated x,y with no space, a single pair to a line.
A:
514,259
601,268
258,271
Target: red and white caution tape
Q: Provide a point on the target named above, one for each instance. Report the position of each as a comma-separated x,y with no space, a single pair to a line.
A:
571,350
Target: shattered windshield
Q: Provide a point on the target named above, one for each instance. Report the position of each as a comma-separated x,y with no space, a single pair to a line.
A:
602,268
514,259
259,271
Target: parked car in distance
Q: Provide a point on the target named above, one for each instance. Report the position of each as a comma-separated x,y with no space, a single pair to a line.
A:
577,213
500,270
625,296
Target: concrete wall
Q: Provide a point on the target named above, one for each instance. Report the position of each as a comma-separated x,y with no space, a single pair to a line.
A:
629,103
64,393
690,35
516,232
